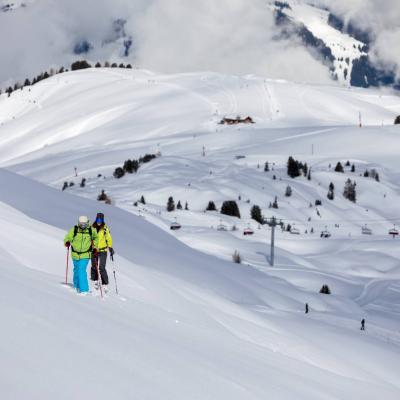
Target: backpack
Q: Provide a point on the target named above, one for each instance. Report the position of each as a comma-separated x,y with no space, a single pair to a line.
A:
90,234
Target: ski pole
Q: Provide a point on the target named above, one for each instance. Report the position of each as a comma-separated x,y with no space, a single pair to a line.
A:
99,282
66,270
115,277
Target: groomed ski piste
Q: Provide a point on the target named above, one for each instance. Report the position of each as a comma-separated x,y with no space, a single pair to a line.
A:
188,323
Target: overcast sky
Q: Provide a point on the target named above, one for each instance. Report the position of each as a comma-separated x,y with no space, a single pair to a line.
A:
232,36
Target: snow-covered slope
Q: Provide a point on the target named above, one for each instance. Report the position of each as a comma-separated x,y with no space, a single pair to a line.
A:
345,49
342,43
192,324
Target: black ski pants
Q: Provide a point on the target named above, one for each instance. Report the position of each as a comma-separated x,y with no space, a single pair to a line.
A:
102,259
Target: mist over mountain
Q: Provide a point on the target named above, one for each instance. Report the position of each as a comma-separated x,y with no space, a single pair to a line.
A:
269,38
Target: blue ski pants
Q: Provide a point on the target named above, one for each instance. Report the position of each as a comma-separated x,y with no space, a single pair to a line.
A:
80,276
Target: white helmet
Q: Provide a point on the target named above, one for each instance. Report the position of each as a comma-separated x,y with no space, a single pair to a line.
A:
83,221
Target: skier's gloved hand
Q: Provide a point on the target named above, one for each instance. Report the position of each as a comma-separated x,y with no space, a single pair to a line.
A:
111,250
67,244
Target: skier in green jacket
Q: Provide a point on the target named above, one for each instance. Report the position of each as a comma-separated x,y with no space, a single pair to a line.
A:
83,241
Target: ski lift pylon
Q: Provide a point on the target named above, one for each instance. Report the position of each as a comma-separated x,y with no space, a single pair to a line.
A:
393,232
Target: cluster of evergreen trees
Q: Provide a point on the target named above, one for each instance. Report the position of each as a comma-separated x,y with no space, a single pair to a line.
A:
171,205
77,65
231,208
31,82
296,168
132,166
83,64
372,174
339,167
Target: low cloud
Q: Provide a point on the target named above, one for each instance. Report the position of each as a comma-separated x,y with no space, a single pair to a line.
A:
381,20
229,36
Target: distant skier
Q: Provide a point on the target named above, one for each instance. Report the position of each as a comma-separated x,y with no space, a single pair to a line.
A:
362,325
105,243
306,310
83,241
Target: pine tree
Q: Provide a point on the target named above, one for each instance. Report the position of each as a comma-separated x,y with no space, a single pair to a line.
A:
353,168
170,204
83,182
331,191
102,196
142,200
83,64
288,191
118,173
325,289
230,208
339,167
186,204
293,169
305,169
349,191
211,206
179,205
309,174
266,166
275,203
255,214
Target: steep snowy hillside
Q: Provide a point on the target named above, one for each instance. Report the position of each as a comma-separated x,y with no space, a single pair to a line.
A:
341,43
344,49
188,317
198,327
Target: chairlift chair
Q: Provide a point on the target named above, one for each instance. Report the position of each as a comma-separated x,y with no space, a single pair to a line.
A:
175,226
366,231
248,231
294,231
325,234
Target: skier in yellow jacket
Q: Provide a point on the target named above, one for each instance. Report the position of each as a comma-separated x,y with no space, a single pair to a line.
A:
104,243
